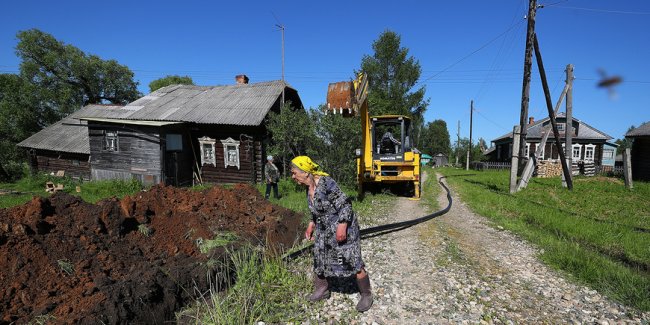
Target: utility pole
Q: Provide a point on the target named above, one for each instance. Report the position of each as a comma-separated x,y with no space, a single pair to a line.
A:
469,150
525,91
568,127
281,27
457,143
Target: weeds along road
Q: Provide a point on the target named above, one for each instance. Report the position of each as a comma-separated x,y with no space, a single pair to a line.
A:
459,269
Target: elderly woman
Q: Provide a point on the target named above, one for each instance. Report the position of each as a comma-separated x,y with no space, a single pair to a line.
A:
337,249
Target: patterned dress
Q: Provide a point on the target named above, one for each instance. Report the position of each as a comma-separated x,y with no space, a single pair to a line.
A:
329,207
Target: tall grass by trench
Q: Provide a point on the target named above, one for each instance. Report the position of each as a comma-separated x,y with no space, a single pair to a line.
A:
265,289
599,232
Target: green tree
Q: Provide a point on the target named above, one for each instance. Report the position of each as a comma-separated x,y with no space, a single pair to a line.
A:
392,75
461,151
65,78
170,80
337,138
435,138
55,79
330,140
624,143
291,133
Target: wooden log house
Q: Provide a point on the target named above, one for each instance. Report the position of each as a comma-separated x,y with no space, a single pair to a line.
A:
180,134
590,145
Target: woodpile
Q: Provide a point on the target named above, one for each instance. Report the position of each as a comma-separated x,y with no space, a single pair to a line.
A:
553,168
548,168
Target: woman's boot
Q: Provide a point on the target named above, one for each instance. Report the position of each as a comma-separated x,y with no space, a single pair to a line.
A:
365,302
321,289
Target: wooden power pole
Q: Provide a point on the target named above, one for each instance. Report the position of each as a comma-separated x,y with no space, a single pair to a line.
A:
568,127
469,149
457,143
519,145
551,114
525,91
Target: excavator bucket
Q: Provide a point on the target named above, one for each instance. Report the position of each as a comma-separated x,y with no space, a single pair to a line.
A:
340,98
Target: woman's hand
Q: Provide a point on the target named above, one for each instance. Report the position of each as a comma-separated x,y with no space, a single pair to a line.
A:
309,233
342,232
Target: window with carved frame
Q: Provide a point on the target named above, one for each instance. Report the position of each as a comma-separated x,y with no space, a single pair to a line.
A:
231,152
206,145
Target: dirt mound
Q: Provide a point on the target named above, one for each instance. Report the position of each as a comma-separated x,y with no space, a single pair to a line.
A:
134,260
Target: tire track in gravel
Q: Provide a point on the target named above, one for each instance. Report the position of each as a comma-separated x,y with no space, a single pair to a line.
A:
458,269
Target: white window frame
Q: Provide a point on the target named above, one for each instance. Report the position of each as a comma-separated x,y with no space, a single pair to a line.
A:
541,155
573,152
561,127
111,140
590,148
230,152
207,156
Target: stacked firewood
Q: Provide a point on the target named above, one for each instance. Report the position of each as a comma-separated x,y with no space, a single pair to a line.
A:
548,168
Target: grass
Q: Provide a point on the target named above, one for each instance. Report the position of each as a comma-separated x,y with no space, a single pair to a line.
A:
66,266
599,232
430,191
34,185
220,240
266,289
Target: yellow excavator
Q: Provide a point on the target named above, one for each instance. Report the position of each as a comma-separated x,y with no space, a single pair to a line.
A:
387,157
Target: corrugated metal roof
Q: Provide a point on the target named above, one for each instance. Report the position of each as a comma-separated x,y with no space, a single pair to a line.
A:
585,131
642,130
239,104
67,135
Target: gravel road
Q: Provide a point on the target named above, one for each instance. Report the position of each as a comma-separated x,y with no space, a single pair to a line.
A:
459,269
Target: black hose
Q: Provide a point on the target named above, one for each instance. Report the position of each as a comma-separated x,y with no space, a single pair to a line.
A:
387,228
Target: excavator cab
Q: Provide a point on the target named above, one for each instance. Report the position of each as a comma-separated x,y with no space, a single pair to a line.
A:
390,137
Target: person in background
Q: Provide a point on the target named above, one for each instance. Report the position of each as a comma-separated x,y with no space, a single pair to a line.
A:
272,176
335,231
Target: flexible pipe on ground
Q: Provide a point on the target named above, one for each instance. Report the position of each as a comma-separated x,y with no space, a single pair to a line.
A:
387,228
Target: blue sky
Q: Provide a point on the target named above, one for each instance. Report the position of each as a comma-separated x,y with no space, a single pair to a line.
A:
468,50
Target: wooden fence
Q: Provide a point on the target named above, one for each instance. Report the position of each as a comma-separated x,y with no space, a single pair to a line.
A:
616,171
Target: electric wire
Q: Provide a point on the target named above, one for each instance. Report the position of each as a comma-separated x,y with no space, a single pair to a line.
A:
470,54
384,229
495,66
603,10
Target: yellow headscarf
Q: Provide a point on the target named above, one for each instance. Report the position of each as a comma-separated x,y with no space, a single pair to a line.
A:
307,165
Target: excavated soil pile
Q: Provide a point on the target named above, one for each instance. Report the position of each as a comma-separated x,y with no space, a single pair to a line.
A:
135,260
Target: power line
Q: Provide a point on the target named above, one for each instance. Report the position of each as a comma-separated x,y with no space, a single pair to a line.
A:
470,54
603,10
